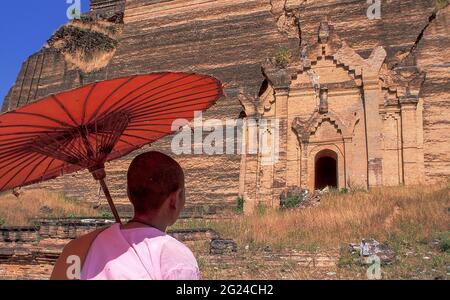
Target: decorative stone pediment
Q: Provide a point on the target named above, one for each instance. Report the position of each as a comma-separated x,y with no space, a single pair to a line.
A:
256,109
406,85
304,129
329,44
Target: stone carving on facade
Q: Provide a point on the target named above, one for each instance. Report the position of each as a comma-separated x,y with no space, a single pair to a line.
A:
345,122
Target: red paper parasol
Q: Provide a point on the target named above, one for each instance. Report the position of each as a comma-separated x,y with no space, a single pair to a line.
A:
86,127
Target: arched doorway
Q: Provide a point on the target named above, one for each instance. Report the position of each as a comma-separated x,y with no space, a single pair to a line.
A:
326,169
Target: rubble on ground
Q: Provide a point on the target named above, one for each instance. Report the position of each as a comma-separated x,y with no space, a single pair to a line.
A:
222,246
369,248
295,197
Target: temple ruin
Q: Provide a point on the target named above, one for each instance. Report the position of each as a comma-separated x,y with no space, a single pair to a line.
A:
345,122
358,103
361,102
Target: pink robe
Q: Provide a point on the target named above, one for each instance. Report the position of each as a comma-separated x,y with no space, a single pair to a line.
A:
138,254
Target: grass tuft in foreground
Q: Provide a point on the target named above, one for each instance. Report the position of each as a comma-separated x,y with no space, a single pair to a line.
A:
395,214
34,204
413,221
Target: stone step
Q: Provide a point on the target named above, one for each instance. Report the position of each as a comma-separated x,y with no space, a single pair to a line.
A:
306,259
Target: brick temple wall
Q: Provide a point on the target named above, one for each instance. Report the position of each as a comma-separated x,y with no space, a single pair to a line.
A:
231,39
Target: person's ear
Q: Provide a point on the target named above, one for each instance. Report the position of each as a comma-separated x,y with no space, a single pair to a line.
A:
174,203
175,199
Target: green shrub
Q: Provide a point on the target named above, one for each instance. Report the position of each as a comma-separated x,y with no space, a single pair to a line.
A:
292,197
293,202
283,57
2,222
240,205
71,216
106,214
444,243
346,259
344,191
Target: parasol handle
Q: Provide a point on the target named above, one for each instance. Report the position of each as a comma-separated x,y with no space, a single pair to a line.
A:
110,201
100,175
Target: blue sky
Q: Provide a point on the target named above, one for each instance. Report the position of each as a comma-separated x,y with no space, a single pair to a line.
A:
25,26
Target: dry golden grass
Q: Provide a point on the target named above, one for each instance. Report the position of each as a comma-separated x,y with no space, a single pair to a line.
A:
85,58
90,63
414,221
112,30
406,213
411,212
34,204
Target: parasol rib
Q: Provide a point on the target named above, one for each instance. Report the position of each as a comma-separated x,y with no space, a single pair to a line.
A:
144,113
136,97
41,116
151,101
19,171
94,115
34,169
20,163
83,118
47,168
31,133
109,97
5,157
189,84
160,104
65,110
131,102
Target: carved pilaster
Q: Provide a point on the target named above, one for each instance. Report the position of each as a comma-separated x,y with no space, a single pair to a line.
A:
408,109
280,80
374,125
249,165
280,165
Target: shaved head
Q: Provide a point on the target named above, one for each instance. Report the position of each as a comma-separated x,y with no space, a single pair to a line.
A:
152,178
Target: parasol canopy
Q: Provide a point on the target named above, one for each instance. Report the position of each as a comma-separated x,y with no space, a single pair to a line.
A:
88,126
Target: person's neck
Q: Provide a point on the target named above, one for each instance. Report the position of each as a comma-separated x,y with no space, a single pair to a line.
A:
147,222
